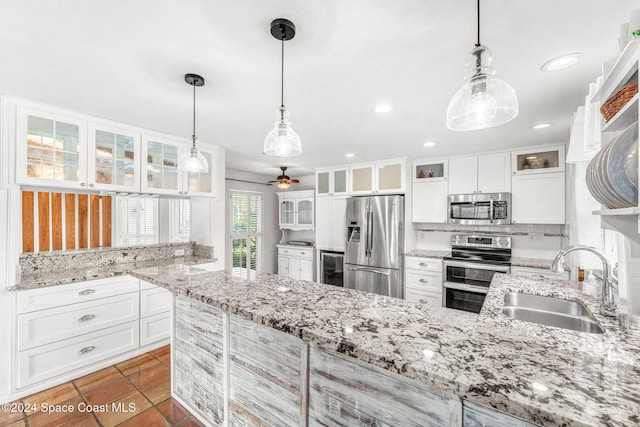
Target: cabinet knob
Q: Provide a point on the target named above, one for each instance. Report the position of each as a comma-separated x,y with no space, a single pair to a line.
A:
479,191
91,185
83,184
423,281
514,173
301,253
185,192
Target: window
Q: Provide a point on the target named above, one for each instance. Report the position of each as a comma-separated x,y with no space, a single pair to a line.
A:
180,216
137,220
246,233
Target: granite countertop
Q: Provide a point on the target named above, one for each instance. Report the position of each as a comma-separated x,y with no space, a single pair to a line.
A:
423,253
531,262
545,375
51,278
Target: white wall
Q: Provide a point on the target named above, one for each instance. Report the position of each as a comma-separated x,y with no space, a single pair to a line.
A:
271,231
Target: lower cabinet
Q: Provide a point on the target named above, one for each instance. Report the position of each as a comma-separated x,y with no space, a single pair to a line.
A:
423,280
475,415
63,330
295,263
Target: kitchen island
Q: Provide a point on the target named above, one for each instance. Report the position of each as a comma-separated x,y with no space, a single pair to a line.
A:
282,351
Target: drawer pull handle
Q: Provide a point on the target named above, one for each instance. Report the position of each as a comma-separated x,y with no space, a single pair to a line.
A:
424,264
423,281
86,292
87,317
301,253
87,350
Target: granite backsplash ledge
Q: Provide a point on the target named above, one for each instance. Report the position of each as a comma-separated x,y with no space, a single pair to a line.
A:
31,263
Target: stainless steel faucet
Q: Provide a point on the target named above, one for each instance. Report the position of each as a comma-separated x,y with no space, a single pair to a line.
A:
607,301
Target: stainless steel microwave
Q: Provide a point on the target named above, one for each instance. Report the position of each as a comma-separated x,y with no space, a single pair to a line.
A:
480,209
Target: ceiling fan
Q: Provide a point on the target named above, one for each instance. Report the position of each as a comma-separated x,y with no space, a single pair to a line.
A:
283,180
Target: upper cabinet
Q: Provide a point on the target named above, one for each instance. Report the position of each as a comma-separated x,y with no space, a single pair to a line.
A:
51,149
57,148
430,191
114,158
162,175
379,178
538,160
486,173
296,210
332,182
430,170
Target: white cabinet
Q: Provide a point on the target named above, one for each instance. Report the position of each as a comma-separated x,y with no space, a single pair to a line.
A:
538,198
331,223
332,182
295,263
162,176
378,178
64,150
538,273
539,160
67,328
296,210
429,202
423,280
486,173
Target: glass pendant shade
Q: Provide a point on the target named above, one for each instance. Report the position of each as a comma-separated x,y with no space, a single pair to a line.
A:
484,101
193,160
283,185
282,141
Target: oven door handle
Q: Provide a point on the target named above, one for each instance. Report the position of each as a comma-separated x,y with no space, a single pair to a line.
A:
476,266
468,288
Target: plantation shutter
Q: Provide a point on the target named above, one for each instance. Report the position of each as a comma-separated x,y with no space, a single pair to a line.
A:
138,220
246,233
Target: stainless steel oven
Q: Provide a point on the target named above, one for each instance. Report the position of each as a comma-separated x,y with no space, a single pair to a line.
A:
480,209
470,268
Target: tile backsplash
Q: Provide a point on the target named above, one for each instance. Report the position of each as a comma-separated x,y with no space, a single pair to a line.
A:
528,241
63,260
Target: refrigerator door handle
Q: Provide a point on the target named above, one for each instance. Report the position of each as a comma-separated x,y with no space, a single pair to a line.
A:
370,231
370,270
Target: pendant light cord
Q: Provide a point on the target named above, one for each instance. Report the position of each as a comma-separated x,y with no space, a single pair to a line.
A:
193,137
478,42
282,68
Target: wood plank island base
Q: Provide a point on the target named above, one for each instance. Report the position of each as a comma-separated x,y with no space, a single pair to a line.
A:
279,351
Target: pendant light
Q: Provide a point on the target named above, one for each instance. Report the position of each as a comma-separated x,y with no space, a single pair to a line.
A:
193,160
282,141
484,101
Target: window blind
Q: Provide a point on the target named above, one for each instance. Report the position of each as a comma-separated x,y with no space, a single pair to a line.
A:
180,220
246,233
138,220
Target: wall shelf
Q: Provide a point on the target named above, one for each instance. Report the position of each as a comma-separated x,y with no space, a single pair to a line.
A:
621,72
623,118
618,212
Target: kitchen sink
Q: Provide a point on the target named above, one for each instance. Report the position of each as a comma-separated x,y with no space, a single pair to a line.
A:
550,311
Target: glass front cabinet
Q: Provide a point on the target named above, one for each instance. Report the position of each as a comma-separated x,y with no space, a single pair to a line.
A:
114,158
332,182
296,210
539,160
51,149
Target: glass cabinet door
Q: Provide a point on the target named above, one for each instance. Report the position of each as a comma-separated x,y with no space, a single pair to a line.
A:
389,177
51,148
114,158
305,212
287,212
542,160
429,170
340,181
322,183
162,175
362,179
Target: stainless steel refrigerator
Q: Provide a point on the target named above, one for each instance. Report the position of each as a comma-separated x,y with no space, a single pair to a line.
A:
375,245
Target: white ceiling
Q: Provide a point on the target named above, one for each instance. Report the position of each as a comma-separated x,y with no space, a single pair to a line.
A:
125,60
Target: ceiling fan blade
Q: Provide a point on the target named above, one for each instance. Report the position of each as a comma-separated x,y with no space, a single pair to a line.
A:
294,181
272,181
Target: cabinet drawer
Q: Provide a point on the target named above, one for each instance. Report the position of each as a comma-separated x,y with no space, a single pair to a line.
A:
427,264
154,328
428,281
299,253
55,324
48,361
155,301
418,295
54,296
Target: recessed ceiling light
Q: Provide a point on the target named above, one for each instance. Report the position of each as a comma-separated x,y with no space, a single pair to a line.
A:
383,108
349,155
429,144
540,126
561,62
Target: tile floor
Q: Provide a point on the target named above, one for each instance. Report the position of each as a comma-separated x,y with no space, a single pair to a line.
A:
141,384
